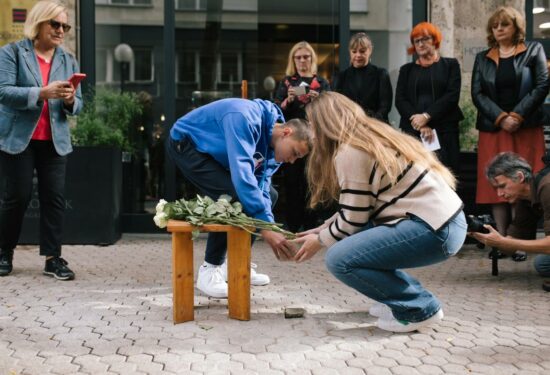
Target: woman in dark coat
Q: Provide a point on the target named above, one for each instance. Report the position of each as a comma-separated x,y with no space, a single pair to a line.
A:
427,94
509,85
365,83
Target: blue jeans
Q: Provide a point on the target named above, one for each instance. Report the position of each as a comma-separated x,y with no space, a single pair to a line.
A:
212,180
542,265
371,261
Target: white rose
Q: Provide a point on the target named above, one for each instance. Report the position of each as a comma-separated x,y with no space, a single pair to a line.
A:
161,220
160,206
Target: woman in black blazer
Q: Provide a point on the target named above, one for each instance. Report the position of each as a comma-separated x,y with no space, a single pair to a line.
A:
365,83
427,94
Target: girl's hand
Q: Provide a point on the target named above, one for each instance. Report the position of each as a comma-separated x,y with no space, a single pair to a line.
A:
310,247
310,231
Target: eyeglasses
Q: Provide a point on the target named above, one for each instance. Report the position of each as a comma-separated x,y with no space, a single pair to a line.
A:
424,40
302,57
56,25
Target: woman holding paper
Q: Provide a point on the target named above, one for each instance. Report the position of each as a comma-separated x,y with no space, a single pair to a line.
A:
299,87
427,95
397,210
35,99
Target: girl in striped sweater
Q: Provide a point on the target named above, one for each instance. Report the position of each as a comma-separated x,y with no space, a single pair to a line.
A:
397,209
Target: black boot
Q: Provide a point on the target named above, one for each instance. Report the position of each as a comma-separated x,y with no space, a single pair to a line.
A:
6,262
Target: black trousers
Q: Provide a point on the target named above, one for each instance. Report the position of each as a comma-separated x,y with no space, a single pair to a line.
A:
298,215
16,181
212,180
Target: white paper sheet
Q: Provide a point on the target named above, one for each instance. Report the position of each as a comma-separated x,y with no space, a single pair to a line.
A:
434,144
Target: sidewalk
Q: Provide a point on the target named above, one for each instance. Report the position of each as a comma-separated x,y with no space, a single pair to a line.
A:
116,318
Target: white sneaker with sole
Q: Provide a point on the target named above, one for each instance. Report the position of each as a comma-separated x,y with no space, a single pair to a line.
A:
389,323
257,279
379,310
211,281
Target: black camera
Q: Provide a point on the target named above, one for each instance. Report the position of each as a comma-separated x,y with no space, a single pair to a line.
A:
476,223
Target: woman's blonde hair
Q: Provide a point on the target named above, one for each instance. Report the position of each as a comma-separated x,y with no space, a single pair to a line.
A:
509,14
358,40
291,67
42,11
337,121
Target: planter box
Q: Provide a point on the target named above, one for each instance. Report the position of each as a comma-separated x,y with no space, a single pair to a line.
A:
93,199
467,184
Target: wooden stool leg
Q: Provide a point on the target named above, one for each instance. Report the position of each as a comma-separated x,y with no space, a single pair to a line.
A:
182,277
238,273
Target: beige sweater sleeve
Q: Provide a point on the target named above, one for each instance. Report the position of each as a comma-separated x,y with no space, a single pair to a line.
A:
359,181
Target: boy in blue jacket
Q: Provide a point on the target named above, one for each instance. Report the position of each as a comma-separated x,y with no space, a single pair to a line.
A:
234,146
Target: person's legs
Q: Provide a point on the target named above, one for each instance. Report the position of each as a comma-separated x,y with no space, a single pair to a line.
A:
212,180
295,194
16,172
371,262
50,169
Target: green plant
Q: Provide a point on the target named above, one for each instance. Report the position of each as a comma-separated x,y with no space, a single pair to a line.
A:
106,119
467,127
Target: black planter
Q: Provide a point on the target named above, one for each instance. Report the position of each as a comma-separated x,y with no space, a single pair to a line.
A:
93,199
467,184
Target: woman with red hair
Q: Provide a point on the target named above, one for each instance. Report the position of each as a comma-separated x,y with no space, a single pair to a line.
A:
427,94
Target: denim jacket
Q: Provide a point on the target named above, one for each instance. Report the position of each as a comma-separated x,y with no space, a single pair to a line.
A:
20,106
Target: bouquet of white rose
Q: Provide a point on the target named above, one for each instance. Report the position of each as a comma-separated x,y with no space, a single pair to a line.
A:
204,210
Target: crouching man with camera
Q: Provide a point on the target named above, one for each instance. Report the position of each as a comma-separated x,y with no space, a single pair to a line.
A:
529,193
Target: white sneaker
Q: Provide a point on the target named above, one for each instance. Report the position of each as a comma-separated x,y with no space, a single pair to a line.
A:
211,281
379,310
257,279
389,323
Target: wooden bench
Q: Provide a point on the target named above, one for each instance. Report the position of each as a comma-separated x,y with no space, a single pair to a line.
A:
238,269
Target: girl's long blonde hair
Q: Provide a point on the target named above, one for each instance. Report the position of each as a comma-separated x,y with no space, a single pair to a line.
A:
337,120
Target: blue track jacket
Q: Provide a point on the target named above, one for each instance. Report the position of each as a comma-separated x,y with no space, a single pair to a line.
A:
237,134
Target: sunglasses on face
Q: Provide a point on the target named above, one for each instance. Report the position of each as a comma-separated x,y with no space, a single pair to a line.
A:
503,23
56,25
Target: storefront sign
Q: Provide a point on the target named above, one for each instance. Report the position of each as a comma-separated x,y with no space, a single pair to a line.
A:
12,19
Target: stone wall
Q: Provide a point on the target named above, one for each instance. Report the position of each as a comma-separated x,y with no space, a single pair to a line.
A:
462,23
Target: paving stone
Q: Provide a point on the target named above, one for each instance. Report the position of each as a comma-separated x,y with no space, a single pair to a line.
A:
116,318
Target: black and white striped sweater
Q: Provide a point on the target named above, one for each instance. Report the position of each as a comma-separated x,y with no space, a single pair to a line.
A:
366,194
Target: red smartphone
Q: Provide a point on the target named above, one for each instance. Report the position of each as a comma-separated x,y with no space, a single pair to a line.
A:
76,78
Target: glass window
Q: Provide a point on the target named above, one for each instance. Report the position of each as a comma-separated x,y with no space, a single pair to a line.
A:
191,4
124,2
541,19
143,65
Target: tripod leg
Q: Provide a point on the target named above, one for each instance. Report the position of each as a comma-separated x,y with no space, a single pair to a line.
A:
494,258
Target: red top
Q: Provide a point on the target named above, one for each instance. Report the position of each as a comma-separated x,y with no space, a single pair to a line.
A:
43,131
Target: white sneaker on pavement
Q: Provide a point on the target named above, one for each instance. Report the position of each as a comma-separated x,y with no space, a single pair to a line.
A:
211,281
389,323
257,279
379,310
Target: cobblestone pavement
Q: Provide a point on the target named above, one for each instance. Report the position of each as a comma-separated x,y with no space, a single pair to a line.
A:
116,318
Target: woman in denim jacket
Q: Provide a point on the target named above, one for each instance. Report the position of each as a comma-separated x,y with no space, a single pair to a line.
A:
35,99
